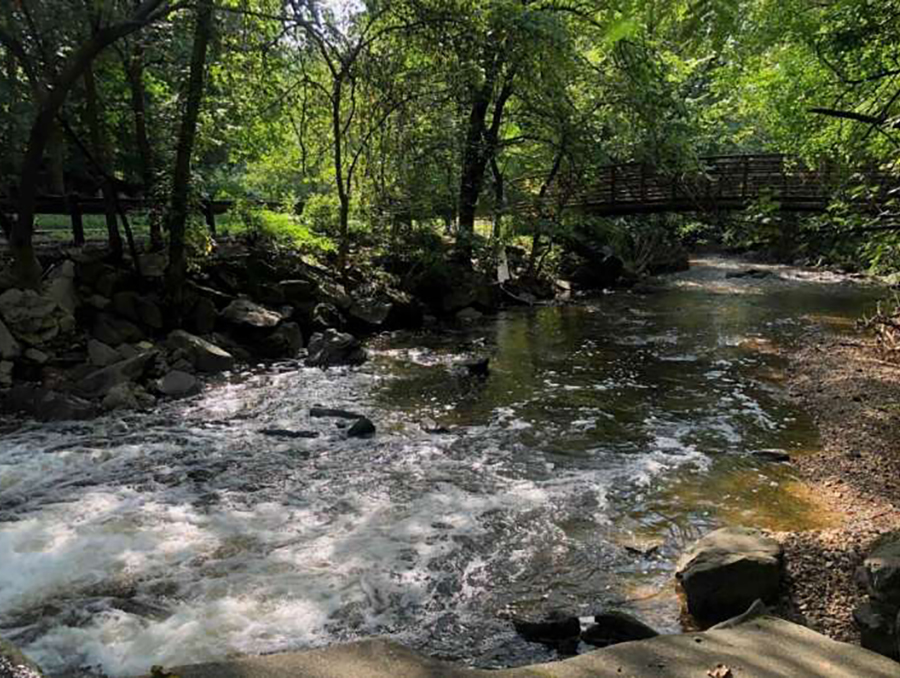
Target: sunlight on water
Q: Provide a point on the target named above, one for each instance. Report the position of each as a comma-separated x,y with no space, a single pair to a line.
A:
607,436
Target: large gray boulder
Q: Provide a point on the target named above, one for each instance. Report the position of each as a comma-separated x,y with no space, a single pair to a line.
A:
330,348
726,571
285,342
114,331
9,347
203,355
138,309
244,313
34,318
99,383
102,355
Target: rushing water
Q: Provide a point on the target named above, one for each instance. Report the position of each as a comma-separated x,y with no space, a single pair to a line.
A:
607,435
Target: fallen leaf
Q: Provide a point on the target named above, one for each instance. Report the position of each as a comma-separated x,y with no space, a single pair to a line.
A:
720,671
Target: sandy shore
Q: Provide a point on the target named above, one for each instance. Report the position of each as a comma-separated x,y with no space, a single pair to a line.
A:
854,397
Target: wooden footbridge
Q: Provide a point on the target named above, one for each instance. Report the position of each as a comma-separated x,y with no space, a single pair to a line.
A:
722,183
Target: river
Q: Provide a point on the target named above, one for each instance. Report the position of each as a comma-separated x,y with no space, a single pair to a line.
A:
609,434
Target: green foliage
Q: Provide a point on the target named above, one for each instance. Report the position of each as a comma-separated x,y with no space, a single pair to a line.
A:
277,229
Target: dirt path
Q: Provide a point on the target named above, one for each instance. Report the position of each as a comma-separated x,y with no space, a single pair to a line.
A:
854,396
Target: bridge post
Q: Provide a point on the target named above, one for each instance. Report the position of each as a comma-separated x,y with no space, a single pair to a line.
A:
77,222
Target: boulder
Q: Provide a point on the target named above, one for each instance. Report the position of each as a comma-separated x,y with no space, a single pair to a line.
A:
122,396
6,373
33,318
616,627
244,313
469,314
877,624
726,571
14,664
298,292
205,356
9,347
370,314
202,318
178,384
138,309
37,356
102,355
331,348
47,405
554,628
285,342
153,264
61,286
114,331
335,294
325,316
100,382
881,573
361,428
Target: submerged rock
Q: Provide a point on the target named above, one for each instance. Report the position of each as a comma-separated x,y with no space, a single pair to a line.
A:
331,412
726,571
554,628
616,627
47,405
178,384
287,433
361,428
100,382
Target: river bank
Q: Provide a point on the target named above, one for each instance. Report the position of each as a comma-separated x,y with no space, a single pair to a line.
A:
853,395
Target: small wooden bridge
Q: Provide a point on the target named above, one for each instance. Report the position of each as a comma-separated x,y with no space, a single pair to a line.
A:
722,183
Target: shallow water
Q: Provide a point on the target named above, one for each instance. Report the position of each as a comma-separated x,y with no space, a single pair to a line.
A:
608,435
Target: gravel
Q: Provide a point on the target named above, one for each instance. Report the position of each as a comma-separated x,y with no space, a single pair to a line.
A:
853,394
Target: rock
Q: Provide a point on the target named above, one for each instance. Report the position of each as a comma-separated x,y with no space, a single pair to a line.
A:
335,294
114,331
881,573
127,351
205,356
122,396
285,433
98,301
47,405
9,347
877,624
468,315
243,312
755,273
6,373
153,264
14,664
775,456
371,314
285,342
616,627
36,355
202,319
325,316
61,287
479,367
138,309
102,355
724,572
331,348
361,428
298,291
329,412
553,629
102,381
177,384
32,318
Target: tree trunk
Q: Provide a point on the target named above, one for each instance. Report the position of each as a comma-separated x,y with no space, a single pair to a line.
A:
135,71
56,150
499,198
181,178
25,264
102,158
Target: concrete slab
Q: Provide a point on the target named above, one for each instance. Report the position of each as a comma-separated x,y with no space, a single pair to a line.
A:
763,647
